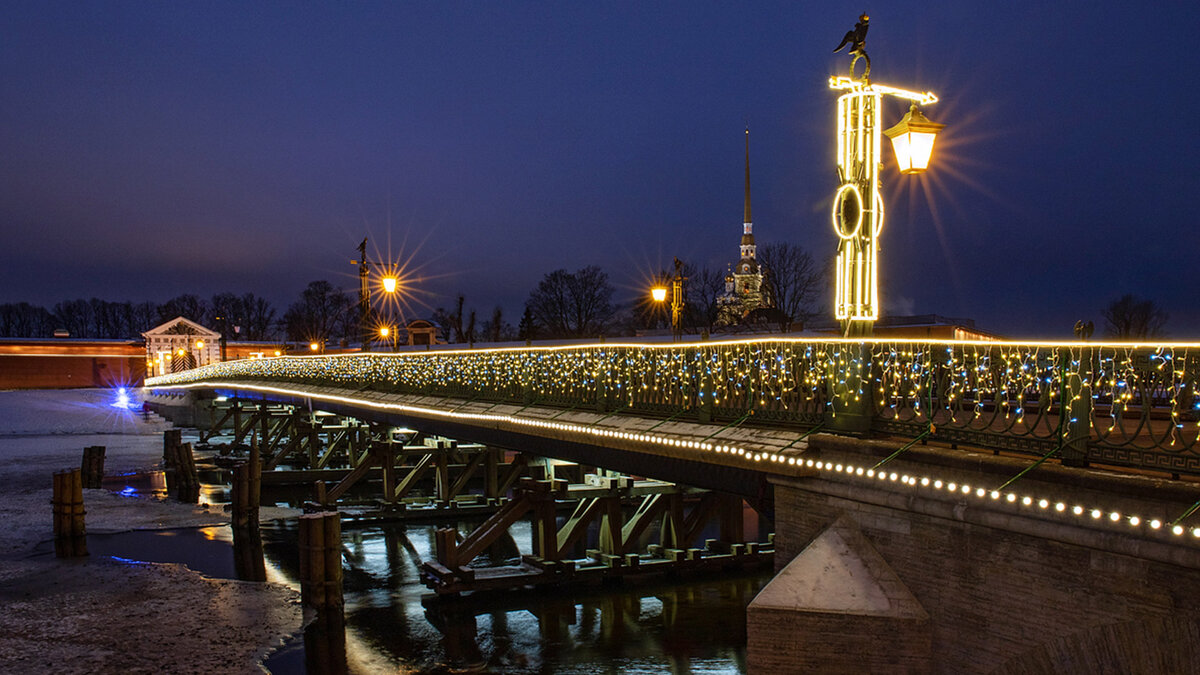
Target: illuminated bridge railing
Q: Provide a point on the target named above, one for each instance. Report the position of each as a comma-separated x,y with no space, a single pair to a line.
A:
1117,404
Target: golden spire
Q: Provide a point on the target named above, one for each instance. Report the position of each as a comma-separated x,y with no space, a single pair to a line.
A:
747,214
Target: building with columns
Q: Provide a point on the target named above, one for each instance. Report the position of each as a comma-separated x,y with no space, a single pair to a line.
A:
180,344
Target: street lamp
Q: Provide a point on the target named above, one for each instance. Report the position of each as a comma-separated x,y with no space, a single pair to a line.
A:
659,294
388,336
912,140
390,283
858,202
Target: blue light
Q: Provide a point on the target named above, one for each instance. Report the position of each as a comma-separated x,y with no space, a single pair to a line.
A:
122,400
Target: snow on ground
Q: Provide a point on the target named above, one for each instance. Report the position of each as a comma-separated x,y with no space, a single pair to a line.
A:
98,615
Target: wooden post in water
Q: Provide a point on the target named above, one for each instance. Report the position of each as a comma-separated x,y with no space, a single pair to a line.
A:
92,467
171,438
187,479
325,644
70,532
333,562
247,538
321,561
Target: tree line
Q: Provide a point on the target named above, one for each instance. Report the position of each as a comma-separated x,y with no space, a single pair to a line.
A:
580,304
563,304
253,316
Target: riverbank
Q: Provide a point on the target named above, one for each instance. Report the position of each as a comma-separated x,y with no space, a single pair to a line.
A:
97,614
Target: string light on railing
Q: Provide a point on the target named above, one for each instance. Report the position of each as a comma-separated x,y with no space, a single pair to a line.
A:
387,366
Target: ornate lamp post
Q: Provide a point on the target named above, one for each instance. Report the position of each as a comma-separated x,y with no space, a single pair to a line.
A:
858,204
659,294
677,301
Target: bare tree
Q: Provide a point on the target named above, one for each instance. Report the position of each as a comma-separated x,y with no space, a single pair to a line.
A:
241,317
701,292
1132,318
75,316
497,329
258,317
575,304
188,306
444,321
320,314
791,279
22,319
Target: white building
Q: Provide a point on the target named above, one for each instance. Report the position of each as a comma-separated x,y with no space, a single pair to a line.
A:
180,344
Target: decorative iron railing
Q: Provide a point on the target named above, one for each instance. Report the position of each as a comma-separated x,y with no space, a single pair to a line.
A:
1122,404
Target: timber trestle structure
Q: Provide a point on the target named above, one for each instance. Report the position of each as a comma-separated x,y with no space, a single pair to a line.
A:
335,453
602,500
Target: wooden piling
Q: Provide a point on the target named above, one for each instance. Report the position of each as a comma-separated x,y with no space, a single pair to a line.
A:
187,479
92,467
240,497
333,562
312,559
325,644
171,438
321,561
248,562
70,532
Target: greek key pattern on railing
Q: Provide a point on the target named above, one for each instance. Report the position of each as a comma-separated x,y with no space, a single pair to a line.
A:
1118,403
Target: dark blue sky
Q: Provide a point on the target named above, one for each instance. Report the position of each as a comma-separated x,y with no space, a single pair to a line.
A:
151,149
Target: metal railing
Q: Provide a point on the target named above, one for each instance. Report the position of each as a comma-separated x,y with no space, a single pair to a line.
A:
1119,404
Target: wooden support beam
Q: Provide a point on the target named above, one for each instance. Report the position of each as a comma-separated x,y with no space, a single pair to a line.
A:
442,477
545,528
704,511
467,472
672,531
650,508
385,457
733,528
496,524
515,469
347,482
612,539
217,425
294,423
413,476
336,439
491,478
576,526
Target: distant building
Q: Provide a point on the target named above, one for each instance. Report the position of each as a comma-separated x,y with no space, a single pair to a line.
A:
744,290
180,344
422,332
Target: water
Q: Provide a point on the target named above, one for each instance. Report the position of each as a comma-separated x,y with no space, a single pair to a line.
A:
653,626
392,624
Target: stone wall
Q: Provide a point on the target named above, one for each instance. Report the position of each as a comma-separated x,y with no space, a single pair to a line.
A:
1002,599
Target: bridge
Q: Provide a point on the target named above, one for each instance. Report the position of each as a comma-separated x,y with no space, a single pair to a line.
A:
938,506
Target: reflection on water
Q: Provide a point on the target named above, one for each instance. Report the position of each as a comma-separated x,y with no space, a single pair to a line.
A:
652,626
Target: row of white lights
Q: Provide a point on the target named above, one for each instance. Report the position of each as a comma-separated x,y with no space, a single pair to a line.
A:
846,469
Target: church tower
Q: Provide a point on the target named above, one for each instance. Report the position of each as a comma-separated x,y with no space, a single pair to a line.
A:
743,285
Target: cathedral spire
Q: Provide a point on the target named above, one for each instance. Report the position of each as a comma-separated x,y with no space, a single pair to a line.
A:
747,215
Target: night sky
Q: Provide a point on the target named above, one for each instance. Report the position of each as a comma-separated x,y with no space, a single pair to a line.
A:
149,149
